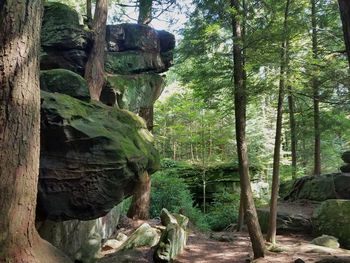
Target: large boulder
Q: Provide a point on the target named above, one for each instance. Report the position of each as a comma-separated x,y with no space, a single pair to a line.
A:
129,62
319,188
61,28
92,156
65,82
286,222
132,92
124,37
167,40
333,218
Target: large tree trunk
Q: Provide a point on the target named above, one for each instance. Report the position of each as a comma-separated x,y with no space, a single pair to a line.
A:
344,6
19,134
293,132
139,207
315,89
240,117
271,233
145,12
94,69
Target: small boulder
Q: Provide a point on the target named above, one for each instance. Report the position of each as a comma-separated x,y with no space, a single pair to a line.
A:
144,235
326,241
90,251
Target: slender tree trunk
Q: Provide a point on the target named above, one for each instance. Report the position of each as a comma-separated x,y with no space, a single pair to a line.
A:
315,88
20,134
344,6
271,233
88,12
145,12
240,116
240,222
94,69
293,132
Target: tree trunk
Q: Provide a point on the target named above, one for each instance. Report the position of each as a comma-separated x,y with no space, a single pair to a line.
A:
139,208
315,88
271,233
240,117
20,134
344,6
240,222
145,12
94,69
293,132
88,12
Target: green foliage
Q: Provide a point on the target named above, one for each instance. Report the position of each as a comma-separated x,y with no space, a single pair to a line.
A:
223,211
171,192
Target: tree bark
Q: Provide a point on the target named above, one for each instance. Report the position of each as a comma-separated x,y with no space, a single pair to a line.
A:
94,69
20,134
145,12
139,208
271,233
344,7
88,12
240,117
315,89
293,132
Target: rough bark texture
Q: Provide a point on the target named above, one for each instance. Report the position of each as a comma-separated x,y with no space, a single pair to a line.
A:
139,208
315,88
145,12
293,132
240,117
19,134
271,234
344,6
94,70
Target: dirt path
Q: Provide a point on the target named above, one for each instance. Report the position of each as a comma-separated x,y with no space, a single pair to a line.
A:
202,249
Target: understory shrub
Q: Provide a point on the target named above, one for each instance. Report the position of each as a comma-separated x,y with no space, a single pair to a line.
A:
171,192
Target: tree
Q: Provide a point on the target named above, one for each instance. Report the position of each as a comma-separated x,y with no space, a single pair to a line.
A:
316,96
145,12
94,69
88,12
19,134
240,117
344,6
271,234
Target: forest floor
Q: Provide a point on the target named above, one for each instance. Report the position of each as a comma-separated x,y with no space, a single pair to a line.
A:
229,247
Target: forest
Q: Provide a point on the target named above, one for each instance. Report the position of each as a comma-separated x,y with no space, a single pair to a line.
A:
174,131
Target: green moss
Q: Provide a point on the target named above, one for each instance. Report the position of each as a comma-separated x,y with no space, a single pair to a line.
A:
333,218
65,82
124,133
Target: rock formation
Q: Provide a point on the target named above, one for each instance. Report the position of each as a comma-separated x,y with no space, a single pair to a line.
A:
93,154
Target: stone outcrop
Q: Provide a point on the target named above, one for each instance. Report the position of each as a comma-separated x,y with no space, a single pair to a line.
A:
71,236
91,157
345,168
65,42
173,239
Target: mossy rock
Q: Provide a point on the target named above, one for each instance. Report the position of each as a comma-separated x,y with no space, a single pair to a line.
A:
129,62
326,241
132,92
61,28
333,218
65,82
92,156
